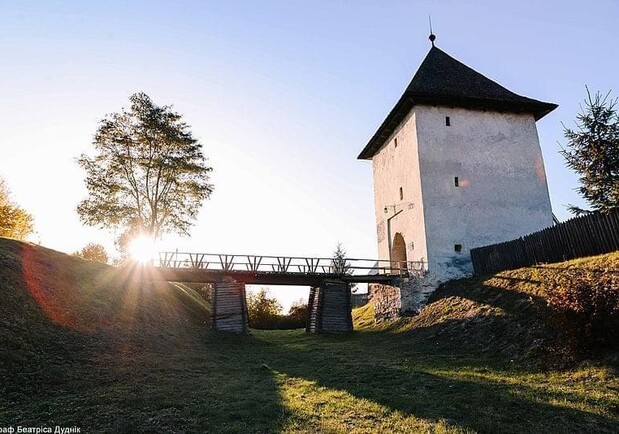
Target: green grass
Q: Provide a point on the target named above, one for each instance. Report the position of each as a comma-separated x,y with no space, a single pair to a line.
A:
140,358
289,381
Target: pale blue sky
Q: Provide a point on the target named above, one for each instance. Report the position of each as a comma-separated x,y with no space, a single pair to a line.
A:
283,95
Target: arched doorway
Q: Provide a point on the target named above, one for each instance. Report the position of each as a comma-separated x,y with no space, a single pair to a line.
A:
398,254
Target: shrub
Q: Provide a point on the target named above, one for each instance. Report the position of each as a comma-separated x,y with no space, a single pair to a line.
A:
587,306
265,313
296,318
93,252
263,310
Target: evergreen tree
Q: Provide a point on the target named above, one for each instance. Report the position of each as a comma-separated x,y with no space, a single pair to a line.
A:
339,263
593,153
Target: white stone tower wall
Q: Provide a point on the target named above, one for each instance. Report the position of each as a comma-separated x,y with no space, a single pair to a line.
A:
502,191
397,167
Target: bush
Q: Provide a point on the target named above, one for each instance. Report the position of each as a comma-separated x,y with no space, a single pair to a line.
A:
265,313
263,310
93,252
205,290
296,318
587,306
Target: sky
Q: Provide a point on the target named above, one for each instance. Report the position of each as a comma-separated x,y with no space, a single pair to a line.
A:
283,95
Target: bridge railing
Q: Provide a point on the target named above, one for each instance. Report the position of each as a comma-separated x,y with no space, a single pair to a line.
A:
288,264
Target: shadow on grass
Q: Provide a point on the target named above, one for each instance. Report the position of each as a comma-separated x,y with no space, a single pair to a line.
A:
86,345
513,302
212,384
166,373
406,385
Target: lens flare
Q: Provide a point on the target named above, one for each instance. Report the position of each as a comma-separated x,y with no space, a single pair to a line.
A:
143,249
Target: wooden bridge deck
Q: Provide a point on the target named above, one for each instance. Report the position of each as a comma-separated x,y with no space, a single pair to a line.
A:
264,278
278,270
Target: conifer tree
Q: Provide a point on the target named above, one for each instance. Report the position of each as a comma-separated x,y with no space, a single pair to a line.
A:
592,151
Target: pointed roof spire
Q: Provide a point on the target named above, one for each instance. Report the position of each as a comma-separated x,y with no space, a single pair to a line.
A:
432,36
442,80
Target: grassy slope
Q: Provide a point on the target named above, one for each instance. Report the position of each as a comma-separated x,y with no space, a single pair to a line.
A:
57,309
129,358
506,313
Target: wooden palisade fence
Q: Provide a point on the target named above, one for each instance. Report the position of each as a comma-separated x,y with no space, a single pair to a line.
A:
591,234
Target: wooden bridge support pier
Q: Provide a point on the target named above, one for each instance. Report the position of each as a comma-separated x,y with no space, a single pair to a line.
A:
329,308
230,307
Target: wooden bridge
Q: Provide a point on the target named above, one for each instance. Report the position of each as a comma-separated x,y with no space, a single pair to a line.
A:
329,279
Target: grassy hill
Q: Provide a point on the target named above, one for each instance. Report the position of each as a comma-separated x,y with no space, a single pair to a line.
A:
89,345
58,309
507,314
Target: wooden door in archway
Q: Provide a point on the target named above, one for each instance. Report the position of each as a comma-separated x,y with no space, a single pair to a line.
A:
398,254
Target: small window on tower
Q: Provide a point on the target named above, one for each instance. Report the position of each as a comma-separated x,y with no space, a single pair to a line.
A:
401,194
395,142
447,121
456,182
457,248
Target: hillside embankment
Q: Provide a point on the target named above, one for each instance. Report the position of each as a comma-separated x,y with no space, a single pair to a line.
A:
100,348
510,313
56,307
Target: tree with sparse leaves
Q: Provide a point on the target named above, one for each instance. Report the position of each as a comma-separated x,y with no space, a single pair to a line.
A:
148,175
592,151
93,252
14,221
263,309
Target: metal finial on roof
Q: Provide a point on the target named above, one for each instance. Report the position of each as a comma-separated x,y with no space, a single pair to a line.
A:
432,36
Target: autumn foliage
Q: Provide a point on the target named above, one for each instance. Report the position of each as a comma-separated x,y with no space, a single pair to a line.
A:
587,306
14,221
93,252
265,312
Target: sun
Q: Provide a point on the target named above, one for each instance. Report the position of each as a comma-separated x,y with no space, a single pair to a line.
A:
143,249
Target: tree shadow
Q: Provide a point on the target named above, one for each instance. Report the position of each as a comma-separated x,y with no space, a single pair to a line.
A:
180,377
89,346
511,301
412,386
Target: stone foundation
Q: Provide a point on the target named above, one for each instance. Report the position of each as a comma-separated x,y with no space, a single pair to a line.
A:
386,300
404,297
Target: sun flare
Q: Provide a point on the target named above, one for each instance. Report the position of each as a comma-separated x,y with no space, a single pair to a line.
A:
143,249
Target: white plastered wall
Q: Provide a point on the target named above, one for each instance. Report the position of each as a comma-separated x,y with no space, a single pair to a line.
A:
397,167
502,191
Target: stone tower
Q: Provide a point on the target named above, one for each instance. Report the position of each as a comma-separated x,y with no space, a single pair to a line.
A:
457,164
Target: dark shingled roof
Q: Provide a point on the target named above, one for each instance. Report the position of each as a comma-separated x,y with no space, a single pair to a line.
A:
442,80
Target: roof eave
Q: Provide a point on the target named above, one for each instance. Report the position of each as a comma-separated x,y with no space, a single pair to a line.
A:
539,109
384,131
